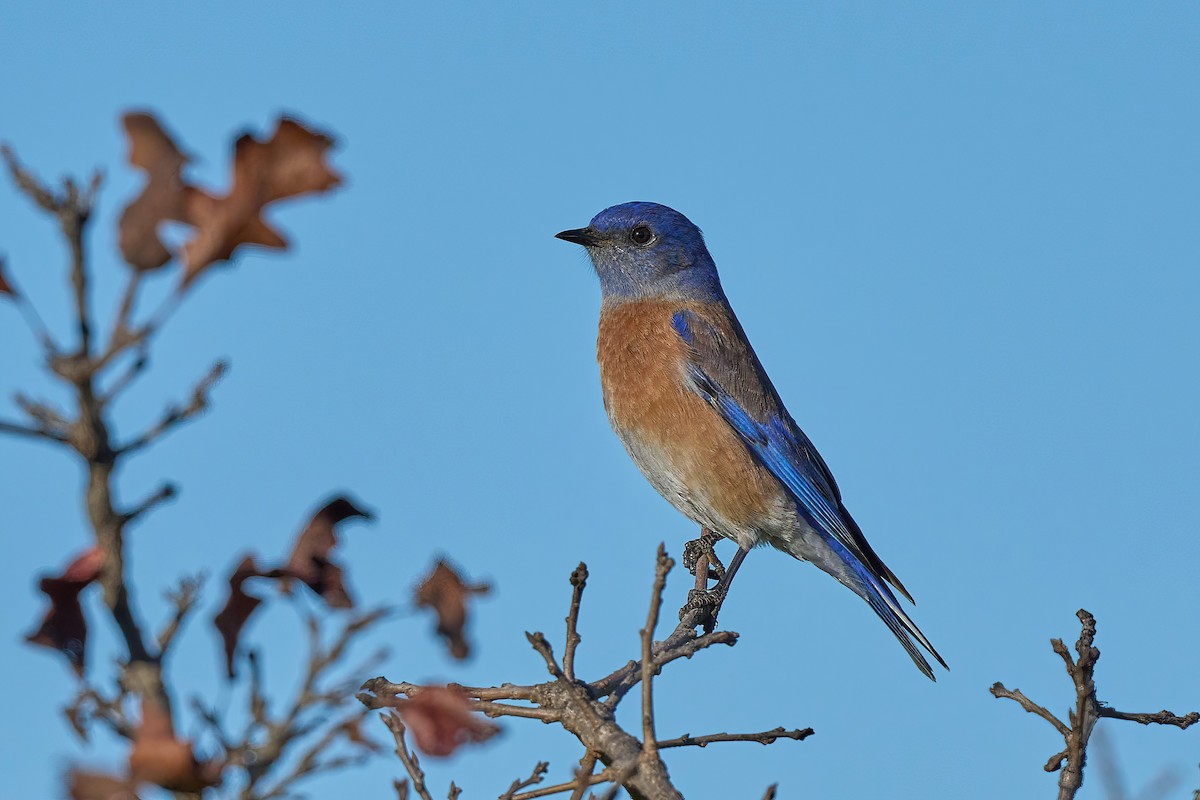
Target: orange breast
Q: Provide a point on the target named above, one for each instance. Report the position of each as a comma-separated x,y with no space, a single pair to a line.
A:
681,444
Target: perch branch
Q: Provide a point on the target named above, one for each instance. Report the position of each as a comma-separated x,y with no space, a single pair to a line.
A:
1088,710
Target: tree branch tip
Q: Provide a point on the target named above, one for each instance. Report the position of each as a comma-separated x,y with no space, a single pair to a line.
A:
1055,762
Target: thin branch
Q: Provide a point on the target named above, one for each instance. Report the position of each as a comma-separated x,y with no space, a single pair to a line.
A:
410,761
17,429
998,690
176,415
505,691
136,367
184,600
1163,717
580,784
662,565
764,737
578,584
535,777
1088,710
583,776
161,495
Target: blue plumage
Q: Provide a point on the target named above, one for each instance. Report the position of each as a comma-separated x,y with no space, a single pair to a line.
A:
767,483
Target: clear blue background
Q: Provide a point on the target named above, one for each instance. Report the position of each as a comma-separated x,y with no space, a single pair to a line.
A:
963,239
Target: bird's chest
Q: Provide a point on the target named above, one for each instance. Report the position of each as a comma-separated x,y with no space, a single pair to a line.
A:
684,449
642,378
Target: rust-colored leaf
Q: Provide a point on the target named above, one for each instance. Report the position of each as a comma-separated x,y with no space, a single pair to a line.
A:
310,560
446,593
160,758
64,627
289,164
440,720
230,620
6,288
162,198
87,785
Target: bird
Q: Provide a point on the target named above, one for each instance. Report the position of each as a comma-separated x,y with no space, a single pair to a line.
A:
690,401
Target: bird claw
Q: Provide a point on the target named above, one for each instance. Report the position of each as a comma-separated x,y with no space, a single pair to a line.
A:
692,552
708,603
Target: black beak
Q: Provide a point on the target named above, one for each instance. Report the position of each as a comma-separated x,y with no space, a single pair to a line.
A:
584,236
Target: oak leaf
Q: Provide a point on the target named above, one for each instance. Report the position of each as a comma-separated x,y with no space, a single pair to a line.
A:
446,593
160,758
64,627
440,719
238,607
162,198
310,560
291,163
87,785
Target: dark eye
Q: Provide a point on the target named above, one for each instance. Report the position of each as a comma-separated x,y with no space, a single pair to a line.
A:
641,234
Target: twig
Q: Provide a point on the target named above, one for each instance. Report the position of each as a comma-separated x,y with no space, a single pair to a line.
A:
662,565
175,415
126,378
583,776
535,777
16,429
1072,759
410,761
161,495
578,584
1163,717
764,737
998,690
579,784
183,599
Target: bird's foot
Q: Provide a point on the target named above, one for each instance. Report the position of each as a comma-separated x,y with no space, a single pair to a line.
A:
702,549
707,603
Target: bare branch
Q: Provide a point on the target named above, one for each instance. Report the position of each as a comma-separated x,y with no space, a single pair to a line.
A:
1070,761
1163,717
410,761
175,415
578,584
662,565
998,690
535,777
16,429
583,775
183,599
161,495
764,737
136,367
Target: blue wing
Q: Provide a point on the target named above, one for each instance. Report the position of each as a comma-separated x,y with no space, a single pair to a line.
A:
724,370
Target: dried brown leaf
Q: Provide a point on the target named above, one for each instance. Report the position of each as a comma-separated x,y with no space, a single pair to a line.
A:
446,593
289,164
6,288
86,785
440,720
64,627
310,560
160,758
238,608
162,198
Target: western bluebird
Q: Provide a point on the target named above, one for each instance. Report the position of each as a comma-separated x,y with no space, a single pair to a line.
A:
688,398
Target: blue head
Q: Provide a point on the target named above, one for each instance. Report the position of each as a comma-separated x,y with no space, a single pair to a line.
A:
645,251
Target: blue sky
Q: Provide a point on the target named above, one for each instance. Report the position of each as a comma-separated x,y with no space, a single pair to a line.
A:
962,238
